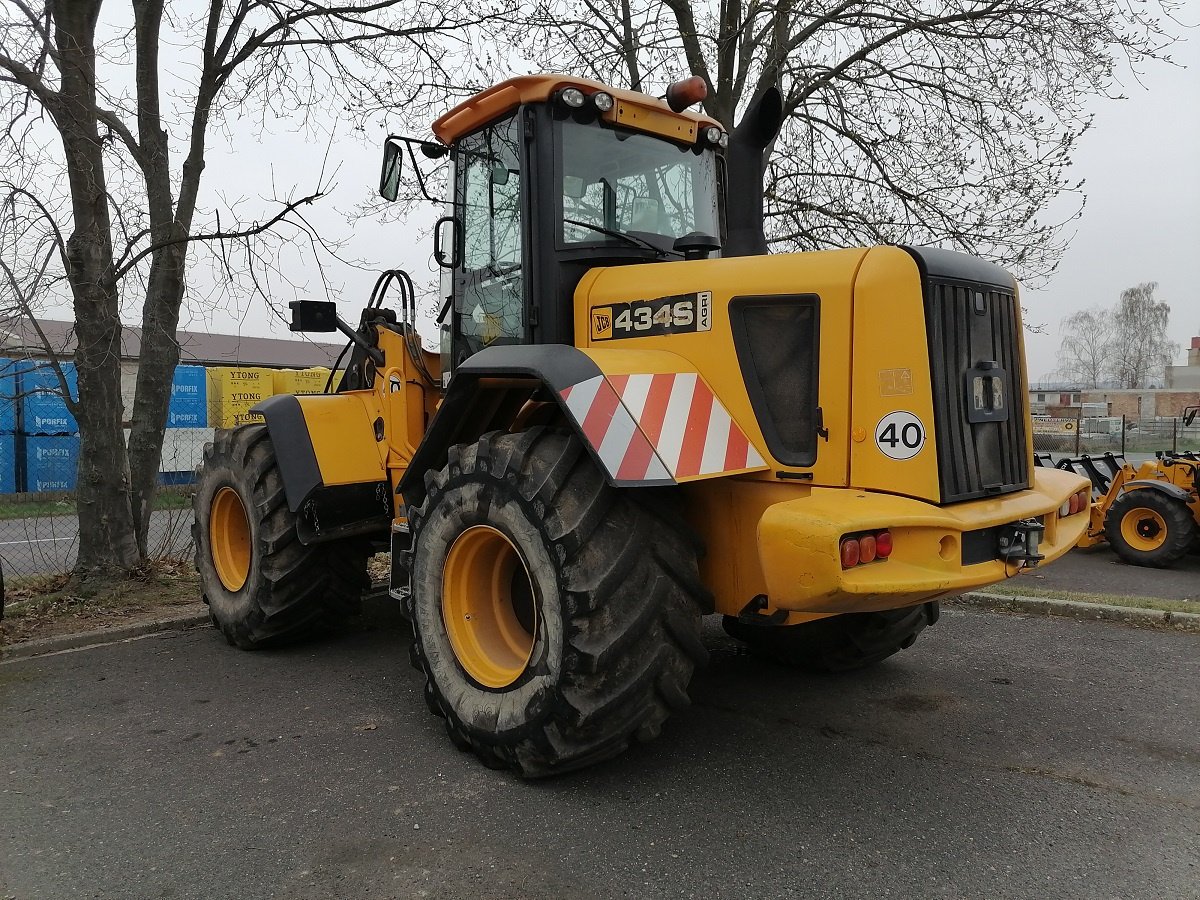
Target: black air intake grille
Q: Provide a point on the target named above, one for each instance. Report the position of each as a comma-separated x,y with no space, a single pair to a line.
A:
776,340
980,435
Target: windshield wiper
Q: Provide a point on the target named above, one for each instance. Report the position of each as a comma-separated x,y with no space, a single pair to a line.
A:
629,238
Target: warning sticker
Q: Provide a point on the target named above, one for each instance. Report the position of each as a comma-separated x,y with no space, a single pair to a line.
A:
900,435
895,382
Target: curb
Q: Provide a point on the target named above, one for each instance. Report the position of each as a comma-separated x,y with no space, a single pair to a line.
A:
98,636
1074,609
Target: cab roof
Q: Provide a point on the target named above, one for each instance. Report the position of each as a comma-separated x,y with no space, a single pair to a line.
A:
500,99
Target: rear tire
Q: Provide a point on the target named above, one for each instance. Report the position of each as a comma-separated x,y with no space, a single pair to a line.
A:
243,531
837,643
1147,528
556,619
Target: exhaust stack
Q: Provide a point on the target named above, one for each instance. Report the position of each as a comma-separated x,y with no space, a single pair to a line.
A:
746,161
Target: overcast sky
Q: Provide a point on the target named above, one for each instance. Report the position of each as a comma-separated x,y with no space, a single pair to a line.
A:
1142,221
1141,162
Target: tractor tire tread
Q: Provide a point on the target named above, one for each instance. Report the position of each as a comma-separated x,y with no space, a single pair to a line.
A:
1177,515
839,643
630,626
301,590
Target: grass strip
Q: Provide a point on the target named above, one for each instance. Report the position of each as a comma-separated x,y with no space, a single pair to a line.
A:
65,506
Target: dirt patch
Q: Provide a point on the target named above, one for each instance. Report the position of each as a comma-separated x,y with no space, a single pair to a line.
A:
53,605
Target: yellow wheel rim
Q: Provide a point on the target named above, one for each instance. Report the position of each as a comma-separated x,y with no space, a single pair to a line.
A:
229,537
1143,529
488,606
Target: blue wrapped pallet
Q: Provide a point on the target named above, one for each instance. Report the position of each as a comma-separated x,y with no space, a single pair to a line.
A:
51,462
43,410
189,398
8,463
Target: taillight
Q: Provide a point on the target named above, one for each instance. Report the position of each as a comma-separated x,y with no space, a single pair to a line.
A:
860,549
883,544
866,548
1076,503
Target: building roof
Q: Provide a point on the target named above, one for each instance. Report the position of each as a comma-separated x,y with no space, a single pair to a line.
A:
19,337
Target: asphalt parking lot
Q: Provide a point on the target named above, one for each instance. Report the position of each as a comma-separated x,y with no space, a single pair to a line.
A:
1000,757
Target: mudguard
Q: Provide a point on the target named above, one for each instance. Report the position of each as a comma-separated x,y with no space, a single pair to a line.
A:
647,417
331,456
1170,490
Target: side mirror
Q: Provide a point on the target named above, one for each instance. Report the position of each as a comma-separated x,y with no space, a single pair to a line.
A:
313,315
499,175
446,258
1189,415
389,177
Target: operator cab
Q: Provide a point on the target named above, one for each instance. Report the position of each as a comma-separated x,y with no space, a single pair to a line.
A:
551,177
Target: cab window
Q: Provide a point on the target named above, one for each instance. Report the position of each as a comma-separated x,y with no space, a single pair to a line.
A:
489,295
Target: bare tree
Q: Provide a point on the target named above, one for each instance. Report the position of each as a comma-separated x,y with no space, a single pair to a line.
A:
1086,353
942,122
111,160
1142,350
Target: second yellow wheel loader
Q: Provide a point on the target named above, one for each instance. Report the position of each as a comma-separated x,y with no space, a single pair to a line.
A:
637,417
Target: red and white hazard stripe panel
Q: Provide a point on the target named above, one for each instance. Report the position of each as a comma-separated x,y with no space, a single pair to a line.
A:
659,427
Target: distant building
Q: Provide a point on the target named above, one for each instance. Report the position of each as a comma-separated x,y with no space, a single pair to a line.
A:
1052,402
1186,377
19,339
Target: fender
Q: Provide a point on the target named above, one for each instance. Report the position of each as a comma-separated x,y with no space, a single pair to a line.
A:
647,417
331,455
1170,490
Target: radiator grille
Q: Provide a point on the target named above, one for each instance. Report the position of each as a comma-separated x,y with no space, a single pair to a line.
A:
969,325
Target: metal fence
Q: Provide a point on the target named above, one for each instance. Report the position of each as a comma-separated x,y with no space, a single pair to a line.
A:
39,531
1115,434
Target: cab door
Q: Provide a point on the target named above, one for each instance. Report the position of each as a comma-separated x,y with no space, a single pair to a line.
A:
489,283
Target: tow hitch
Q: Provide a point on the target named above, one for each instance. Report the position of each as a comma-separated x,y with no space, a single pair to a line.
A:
1019,542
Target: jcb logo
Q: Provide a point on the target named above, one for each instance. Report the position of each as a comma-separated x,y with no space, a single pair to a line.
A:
602,322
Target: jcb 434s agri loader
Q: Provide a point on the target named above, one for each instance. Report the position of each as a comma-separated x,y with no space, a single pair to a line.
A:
638,417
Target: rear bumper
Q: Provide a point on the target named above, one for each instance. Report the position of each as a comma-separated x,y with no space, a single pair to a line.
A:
799,543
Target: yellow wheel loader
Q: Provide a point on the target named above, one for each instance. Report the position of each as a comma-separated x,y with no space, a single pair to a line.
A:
1147,514
638,417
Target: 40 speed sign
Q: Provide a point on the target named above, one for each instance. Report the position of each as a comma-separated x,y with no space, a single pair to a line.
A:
900,435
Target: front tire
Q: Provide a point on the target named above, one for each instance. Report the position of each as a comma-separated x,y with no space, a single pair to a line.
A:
556,619
262,586
837,643
1148,528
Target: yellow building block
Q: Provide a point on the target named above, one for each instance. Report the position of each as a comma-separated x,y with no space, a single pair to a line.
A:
300,381
233,391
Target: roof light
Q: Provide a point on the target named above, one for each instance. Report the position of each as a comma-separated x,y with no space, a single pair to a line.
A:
572,97
712,134
724,142
602,101
683,94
